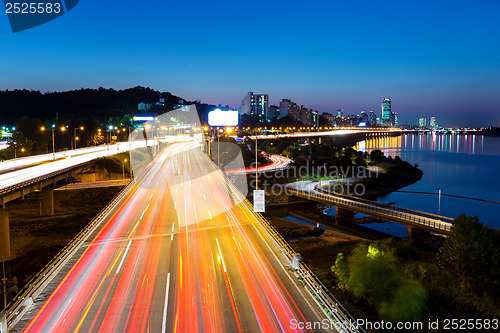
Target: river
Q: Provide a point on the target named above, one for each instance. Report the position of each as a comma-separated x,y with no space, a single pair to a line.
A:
464,165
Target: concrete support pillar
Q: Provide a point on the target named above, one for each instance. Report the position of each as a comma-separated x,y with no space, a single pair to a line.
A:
4,236
47,202
342,212
413,232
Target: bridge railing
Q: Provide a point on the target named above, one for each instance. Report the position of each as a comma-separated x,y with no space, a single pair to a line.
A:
14,310
383,205
406,215
340,317
39,178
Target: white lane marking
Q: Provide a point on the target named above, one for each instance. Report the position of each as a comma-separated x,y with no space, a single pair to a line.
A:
220,253
210,215
145,209
203,196
164,323
172,236
123,258
151,196
294,282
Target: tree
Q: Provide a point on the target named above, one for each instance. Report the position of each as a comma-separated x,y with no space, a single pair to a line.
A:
376,155
472,252
374,273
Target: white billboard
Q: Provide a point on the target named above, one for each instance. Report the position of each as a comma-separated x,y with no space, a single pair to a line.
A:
222,118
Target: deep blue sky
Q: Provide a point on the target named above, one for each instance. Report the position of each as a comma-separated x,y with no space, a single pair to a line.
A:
437,58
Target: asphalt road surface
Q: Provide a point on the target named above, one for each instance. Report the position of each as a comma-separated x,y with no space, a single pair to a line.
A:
181,253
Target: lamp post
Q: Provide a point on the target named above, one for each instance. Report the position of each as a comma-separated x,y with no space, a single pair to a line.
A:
224,152
256,166
123,168
110,128
53,144
15,151
439,200
74,134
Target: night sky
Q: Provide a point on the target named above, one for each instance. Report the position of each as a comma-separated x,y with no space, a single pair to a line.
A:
438,58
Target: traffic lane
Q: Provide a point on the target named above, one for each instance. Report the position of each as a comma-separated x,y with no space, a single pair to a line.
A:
219,191
268,308
70,296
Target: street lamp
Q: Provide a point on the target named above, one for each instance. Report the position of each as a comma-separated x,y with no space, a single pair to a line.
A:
110,128
123,168
224,152
53,144
256,166
218,158
15,151
74,134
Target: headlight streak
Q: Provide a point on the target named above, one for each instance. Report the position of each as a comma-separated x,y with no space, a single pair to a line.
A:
135,276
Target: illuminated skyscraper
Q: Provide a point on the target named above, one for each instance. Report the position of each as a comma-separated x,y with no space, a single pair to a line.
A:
372,118
340,113
256,105
433,123
387,117
422,122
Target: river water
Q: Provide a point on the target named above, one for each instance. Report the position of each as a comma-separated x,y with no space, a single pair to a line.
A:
464,165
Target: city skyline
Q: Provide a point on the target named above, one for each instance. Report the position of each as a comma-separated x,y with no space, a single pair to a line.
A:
441,60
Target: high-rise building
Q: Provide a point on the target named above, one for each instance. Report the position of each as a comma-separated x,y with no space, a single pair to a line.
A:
387,117
273,113
256,105
340,113
329,118
422,122
304,115
314,118
364,117
433,123
289,108
372,118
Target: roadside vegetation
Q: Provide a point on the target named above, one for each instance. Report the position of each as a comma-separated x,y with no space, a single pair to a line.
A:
375,173
395,281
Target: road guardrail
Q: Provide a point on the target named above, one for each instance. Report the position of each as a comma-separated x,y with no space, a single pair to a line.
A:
22,301
335,312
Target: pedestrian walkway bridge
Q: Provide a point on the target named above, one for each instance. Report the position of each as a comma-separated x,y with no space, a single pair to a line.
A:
409,217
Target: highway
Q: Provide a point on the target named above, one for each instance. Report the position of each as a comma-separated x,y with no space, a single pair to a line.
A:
324,133
25,170
277,162
27,161
181,252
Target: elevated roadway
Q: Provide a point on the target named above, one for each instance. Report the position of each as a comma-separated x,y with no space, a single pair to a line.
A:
33,173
